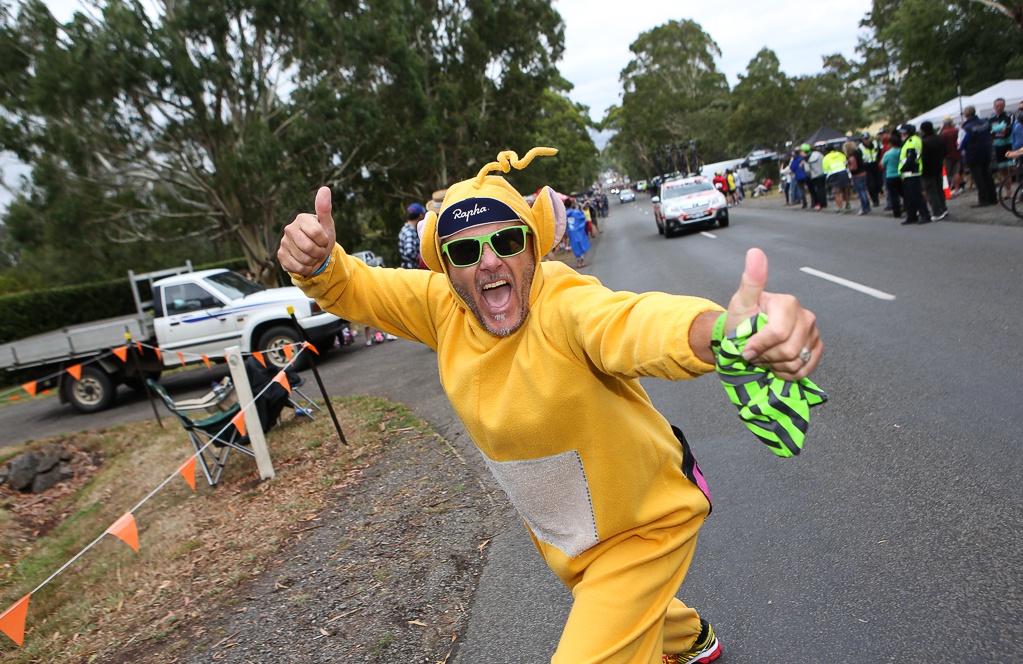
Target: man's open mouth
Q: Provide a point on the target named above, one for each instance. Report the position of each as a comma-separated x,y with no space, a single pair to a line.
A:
497,294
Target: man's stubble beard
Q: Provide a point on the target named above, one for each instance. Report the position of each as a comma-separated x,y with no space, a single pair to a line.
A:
505,331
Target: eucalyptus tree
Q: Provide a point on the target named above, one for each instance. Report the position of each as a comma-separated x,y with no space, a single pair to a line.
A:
917,52
766,110
218,119
672,93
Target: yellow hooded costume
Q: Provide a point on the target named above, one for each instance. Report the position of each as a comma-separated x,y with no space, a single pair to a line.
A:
606,488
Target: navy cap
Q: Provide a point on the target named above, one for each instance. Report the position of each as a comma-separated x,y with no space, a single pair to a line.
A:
472,212
416,209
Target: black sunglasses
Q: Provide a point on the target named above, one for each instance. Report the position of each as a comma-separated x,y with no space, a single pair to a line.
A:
467,251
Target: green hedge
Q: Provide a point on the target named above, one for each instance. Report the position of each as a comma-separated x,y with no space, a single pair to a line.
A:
34,312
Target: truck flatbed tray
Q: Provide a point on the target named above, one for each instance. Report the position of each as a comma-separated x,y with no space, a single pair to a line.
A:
74,341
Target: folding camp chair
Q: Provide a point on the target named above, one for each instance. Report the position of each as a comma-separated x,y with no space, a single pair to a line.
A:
300,409
212,435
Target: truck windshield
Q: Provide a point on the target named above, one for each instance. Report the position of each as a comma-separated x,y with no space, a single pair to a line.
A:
233,285
686,188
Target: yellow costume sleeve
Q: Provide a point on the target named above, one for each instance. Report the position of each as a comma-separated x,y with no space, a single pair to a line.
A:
406,303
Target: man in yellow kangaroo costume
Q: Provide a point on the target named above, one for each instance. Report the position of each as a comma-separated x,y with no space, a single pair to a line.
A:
612,496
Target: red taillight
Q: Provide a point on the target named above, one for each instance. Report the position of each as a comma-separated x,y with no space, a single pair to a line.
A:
314,308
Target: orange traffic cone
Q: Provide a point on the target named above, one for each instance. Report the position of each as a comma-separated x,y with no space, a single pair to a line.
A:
944,184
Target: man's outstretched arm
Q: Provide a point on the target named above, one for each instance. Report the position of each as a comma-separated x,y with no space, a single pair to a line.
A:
778,346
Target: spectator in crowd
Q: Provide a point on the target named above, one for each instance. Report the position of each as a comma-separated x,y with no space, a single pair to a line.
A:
893,183
871,152
858,172
975,144
408,238
798,169
730,182
785,177
1017,130
738,186
837,177
721,183
1001,139
575,223
815,177
933,161
884,139
953,162
910,169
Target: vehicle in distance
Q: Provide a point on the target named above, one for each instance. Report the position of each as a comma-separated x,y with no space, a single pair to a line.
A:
369,258
626,195
688,201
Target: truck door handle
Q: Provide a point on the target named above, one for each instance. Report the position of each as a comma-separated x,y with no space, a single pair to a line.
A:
177,322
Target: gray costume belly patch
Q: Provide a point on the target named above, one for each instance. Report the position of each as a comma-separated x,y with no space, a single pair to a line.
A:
553,497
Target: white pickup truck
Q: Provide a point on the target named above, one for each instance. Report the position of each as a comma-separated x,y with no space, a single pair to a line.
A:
192,313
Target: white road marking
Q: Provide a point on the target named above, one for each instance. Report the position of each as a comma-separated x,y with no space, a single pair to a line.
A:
873,292
710,235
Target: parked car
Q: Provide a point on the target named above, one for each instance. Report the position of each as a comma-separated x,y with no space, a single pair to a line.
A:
626,196
688,201
369,258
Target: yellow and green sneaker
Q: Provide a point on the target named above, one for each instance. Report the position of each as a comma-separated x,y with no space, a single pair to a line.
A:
706,649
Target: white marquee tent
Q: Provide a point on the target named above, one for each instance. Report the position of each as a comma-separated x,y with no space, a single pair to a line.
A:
1011,90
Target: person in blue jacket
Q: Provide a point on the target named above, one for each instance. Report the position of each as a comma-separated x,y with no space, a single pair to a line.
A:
576,224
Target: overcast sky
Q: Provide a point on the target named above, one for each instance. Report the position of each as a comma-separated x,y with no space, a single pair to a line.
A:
597,40
598,34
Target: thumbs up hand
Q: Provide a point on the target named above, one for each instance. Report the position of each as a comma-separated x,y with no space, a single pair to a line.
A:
309,239
790,344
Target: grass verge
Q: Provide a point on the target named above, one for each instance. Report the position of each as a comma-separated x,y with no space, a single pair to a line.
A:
193,547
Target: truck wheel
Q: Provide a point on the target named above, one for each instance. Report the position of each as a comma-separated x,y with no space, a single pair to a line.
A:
93,392
272,342
723,221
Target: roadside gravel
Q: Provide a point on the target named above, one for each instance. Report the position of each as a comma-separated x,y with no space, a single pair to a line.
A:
386,574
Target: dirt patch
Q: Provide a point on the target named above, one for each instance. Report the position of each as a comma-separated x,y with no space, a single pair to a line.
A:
362,553
384,574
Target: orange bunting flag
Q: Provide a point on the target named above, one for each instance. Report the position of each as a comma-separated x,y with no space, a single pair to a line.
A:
287,351
30,387
239,422
75,371
187,470
207,361
283,380
159,355
306,344
12,621
122,353
15,397
46,391
182,358
126,530
138,347
259,356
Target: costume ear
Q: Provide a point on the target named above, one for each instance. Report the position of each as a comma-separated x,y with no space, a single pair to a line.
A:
427,229
549,213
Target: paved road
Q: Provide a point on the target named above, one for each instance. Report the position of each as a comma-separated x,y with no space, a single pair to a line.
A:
894,537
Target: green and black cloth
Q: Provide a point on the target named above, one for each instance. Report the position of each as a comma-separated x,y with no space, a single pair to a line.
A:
776,411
